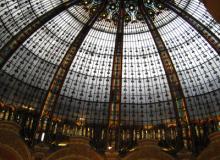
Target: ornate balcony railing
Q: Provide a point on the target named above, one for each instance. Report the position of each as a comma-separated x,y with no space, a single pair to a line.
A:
165,134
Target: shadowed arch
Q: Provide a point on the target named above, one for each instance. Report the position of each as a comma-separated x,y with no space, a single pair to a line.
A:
74,157
148,153
77,151
9,136
8,153
212,151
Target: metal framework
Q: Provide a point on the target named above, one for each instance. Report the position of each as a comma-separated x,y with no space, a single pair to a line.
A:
16,41
116,80
210,37
48,107
178,98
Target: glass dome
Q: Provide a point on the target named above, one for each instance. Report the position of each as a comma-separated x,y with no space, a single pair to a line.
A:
86,92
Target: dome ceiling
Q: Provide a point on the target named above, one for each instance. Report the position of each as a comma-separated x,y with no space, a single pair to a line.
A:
145,96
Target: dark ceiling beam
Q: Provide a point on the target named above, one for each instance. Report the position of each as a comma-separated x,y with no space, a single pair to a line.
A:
213,6
178,97
210,37
17,40
48,107
116,80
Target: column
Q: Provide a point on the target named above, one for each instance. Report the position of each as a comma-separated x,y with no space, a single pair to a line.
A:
178,98
116,80
48,107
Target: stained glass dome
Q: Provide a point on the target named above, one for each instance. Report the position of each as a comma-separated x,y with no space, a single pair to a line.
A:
37,35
